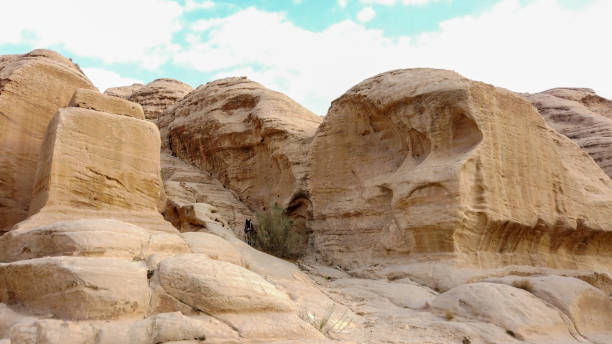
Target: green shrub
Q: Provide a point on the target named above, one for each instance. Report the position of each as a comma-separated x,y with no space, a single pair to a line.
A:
274,234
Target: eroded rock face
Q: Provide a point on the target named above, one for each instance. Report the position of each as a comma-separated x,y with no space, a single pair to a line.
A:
215,286
581,115
523,315
254,140
157,95
123,91
423,161
93,100
196,200
94,164
77,288
32,87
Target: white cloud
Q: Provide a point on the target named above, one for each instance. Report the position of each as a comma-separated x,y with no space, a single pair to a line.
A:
103,79
193,5
113,30
521,46
366,14
417,2
342,3
378,2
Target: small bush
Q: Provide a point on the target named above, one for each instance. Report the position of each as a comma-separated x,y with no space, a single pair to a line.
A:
274,234
449,315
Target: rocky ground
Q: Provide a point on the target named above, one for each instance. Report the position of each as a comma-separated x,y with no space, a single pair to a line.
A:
439,210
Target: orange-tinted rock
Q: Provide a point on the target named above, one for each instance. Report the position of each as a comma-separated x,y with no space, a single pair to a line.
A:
32,87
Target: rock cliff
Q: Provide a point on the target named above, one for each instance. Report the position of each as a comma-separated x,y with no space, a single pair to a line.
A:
253,140
155,96
32,87
582,116
425,162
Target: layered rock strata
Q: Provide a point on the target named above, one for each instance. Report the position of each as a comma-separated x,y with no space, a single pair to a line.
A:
424,162
32,87
123,91
253,140
96,164
581,115
158,95
93,100
196,200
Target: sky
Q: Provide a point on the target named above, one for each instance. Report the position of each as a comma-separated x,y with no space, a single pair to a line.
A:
315,50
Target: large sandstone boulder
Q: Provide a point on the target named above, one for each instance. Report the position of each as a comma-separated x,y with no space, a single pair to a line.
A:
214,286
98,165
32,87
88,237
93,100
423,162
157,95
581,115
77,287
588,308
523,315
254,140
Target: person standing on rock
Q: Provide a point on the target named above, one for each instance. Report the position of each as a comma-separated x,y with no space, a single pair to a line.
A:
249,232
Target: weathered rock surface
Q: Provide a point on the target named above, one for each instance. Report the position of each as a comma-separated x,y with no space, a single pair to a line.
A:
186,186
123,91
588,308
32,87
582,116
214,247
77,287
423,162
88,237
254,140
98,165
94,100
523,315
157,95
214,286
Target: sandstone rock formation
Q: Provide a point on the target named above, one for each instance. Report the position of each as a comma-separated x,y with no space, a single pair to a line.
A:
581,115
424,162
89,99
157,95
197,201
254,140
32,87
123,91
95,164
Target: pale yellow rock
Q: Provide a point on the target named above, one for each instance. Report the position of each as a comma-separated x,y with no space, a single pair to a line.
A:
254,140
271,326
123,91
94,100
424,163
160,328
516,310
77,288
214,286
186,185
158,95
10,318
589,309
98,165
88,237
581,115
214,247
32,87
